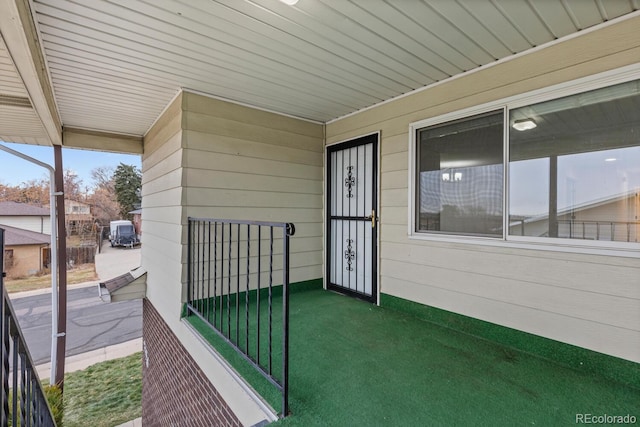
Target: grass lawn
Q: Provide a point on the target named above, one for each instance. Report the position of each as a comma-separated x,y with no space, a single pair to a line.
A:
80,274
106,394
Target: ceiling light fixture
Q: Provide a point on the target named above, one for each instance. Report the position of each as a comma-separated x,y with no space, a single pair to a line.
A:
610,159
524,124
289,2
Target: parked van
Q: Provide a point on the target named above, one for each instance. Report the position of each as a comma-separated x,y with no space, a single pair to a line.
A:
122,233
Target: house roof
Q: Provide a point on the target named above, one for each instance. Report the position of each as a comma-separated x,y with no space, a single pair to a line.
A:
577,208
131,285
22,209
108,69
19,237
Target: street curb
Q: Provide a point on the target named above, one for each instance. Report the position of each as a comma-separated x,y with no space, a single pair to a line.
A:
82,361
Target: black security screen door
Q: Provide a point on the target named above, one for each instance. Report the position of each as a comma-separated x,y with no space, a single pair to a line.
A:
351,217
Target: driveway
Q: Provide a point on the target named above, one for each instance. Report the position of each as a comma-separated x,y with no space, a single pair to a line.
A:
112,262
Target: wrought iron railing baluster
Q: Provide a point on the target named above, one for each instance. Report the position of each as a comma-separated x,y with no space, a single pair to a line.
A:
206,298
14,392
215,268
221,276
189,262
229,284
23,391
237,294
29,406
5,370
246,291
270,299
258,298
208,308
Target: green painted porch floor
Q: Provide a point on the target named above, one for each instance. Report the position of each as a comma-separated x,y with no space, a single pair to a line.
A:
352,364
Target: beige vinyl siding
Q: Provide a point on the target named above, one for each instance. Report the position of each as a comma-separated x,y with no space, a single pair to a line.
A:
164,250
592,301
247,164
161,212
214,159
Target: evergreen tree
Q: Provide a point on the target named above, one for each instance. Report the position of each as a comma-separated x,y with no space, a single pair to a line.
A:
128,183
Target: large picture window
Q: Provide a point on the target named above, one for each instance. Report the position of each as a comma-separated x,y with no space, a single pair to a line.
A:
460,176
573,170
576,174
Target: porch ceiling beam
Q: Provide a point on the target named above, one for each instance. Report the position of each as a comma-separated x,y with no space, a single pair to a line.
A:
101,141
21,38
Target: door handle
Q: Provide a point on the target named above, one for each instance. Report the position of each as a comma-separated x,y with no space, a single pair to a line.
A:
372,217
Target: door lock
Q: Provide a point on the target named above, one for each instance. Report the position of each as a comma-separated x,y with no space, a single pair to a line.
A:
372,217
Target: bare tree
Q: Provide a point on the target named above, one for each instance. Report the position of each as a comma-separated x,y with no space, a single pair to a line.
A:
103,177
103,198
34,192
73,186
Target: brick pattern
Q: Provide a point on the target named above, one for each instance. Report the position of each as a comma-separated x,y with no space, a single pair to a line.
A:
175,391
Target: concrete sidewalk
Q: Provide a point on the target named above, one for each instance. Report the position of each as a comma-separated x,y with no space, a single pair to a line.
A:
133,423
16,295
82,361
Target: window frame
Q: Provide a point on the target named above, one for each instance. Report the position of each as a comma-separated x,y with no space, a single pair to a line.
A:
416,153
574,87
8,258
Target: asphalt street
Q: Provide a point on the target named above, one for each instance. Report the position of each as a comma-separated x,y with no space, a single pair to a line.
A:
91,323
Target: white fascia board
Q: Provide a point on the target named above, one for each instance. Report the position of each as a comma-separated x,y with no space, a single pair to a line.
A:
20,36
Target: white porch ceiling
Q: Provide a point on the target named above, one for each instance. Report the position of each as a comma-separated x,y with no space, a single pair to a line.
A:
18,120
115,64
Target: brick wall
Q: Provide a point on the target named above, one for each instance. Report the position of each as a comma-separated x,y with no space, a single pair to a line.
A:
175,392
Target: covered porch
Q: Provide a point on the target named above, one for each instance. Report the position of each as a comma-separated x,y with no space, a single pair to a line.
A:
235,107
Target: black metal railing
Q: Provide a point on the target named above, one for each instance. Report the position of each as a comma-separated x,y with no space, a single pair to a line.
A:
614,231
611,231
238,271
23,402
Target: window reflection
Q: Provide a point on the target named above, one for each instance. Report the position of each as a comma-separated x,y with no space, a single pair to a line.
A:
460,177
577,173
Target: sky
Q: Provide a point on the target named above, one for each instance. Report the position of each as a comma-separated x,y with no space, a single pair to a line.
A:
14,170
582,178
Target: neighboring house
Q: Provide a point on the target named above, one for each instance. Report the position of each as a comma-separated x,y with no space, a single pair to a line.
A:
77,216
26,217
594,220
401,187
137,221
26,252
77,211
27,237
